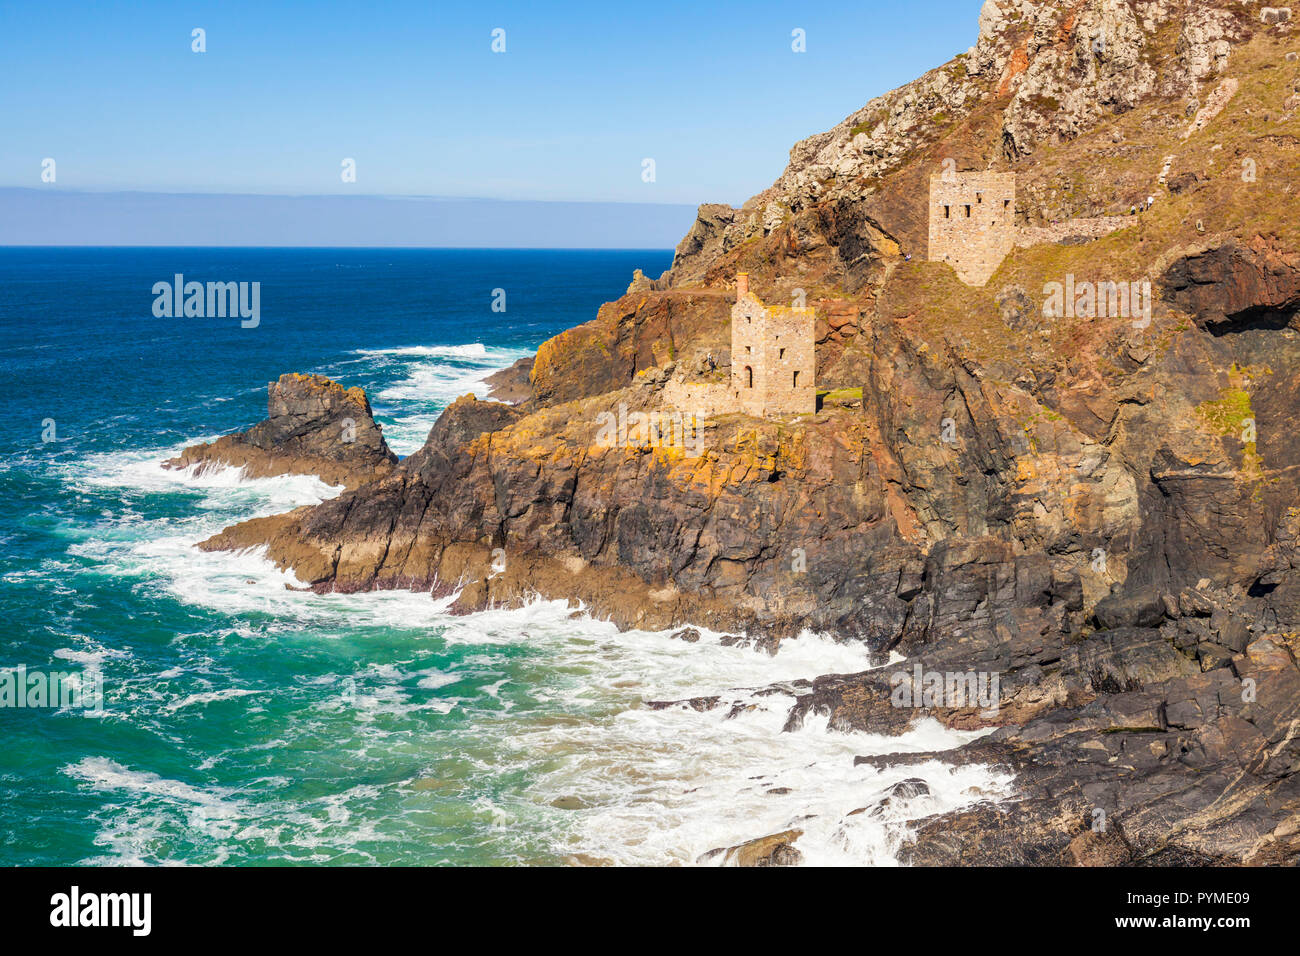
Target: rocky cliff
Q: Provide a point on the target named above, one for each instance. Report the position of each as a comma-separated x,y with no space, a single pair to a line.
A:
1095,504
313,426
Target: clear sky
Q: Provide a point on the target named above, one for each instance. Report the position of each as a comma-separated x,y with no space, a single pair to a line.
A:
711,91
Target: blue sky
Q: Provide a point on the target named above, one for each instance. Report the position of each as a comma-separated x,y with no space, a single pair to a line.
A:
411,91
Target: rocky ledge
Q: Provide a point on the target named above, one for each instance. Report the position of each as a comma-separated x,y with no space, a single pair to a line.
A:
511,384
313,426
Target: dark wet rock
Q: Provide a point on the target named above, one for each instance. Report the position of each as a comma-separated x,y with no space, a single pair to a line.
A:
465,420
314,426
909,788
512,384
1237,285
1199,768
1130,610
698,704
904,790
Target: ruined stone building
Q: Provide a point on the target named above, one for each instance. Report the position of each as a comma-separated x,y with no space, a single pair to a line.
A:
773,360
972,222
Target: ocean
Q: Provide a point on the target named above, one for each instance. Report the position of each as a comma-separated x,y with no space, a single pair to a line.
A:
244,723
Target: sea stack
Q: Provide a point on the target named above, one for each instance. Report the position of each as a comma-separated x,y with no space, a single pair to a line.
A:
314,426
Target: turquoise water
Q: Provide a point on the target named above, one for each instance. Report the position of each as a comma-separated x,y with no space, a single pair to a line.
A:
245,723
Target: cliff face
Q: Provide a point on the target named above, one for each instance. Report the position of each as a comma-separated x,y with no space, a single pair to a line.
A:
1097,505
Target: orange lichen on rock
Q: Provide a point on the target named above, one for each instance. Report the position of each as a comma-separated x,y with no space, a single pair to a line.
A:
1018,64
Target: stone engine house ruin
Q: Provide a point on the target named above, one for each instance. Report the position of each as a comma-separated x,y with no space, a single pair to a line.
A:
773,359
972,222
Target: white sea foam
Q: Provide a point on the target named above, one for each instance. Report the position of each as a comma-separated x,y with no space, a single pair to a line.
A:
658,786
228,693
142,472
474,350
649,786
652,786
434,377
92,655
667,786
144,810
103,773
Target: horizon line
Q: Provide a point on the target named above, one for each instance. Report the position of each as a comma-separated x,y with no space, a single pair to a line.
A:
89,245
54,189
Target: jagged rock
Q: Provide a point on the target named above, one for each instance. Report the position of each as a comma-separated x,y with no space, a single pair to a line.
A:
708,238
1229,285
1129,610
637,332
640,283
907,789
1213,785
465,420
314,426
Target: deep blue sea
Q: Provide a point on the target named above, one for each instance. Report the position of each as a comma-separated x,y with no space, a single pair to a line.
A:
245,723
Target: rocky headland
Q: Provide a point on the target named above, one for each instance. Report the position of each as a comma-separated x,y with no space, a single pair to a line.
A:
1097,508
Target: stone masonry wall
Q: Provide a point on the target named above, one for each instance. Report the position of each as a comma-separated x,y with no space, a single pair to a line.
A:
972,222
788,387
701,399
747,372
772,358
1093,228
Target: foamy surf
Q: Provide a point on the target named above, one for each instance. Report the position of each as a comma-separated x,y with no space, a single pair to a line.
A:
474,350
142,472
611,780
432,377
645,786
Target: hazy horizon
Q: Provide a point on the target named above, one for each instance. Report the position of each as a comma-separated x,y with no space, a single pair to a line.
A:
40,218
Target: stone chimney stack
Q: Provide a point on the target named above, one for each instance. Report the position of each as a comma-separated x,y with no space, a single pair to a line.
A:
742,285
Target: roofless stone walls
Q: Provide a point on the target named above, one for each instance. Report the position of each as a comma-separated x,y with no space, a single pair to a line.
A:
972,222
772,356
